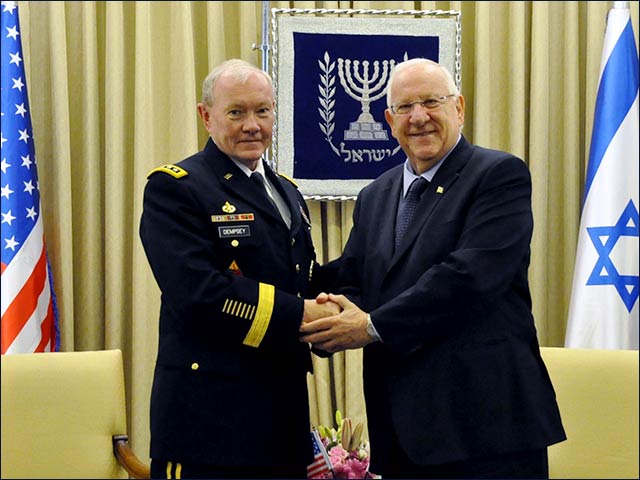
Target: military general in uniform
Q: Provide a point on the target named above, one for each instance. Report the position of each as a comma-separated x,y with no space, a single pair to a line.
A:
234,260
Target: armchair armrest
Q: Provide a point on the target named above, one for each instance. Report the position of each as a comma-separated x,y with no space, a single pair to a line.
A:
128,459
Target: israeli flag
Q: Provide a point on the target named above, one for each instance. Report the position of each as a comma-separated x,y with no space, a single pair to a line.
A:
604,303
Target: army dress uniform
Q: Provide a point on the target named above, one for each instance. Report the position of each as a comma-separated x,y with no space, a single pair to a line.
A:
229,385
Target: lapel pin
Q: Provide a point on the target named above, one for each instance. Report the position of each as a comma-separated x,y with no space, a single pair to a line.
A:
440,189
228,176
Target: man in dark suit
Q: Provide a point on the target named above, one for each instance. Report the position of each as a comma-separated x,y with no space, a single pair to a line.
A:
454,383
234,260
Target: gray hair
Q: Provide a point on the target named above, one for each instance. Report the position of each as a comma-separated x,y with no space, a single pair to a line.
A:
424,62
239,69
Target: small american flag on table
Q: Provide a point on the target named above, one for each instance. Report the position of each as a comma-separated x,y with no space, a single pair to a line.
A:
321,464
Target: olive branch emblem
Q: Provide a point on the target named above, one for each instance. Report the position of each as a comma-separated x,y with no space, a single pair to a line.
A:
327,91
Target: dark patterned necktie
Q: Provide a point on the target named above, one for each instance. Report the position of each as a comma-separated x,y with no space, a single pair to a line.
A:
407,208
258,179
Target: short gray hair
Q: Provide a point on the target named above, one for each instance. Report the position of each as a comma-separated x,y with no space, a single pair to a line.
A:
239,69
424,62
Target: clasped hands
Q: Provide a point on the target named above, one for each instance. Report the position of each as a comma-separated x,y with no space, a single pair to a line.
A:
333,323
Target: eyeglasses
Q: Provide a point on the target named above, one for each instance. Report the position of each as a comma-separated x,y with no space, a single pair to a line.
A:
430,104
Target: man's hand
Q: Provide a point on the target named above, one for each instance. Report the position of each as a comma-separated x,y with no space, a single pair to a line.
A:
314,310
346,330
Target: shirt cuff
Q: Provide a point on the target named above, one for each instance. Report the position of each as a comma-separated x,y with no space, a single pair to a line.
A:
371,330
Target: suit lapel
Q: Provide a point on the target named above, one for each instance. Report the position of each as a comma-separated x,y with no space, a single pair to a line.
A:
383,212
389,215
437,190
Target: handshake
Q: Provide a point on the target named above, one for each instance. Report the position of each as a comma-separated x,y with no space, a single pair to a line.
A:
333,323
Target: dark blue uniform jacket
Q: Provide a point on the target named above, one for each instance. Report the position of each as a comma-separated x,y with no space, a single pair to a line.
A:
230,381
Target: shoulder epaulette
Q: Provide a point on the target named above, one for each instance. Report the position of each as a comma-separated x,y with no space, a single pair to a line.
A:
287,177
173,170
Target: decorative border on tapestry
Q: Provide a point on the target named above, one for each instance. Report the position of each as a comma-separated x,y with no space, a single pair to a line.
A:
330,69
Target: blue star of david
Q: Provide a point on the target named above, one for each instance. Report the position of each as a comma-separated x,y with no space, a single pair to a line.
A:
604,239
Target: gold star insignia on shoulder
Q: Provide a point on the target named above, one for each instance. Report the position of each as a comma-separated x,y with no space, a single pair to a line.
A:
173,170
228,208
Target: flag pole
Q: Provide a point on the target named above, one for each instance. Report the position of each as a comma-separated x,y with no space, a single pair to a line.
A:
265,36
264,45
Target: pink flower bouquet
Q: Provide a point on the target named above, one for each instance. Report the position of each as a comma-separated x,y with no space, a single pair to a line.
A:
349,455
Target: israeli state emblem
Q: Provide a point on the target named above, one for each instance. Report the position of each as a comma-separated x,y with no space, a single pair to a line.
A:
365,82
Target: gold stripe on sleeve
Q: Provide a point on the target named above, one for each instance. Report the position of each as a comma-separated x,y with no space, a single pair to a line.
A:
266,301
224,307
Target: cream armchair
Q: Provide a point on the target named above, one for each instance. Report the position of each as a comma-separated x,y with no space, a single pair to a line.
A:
64,416
597,391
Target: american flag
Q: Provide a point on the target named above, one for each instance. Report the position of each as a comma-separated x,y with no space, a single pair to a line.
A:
29,314
321,464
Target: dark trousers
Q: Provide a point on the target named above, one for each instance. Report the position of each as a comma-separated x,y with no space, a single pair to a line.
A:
176,470
525,464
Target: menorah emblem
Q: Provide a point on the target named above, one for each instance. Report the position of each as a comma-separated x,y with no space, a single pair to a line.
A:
365,128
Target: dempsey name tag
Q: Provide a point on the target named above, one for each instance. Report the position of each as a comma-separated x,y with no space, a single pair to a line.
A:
235,231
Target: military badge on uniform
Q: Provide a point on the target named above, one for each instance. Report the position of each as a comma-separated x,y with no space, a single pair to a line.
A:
173,170
238,217
235,269
440,189
239,309
228,208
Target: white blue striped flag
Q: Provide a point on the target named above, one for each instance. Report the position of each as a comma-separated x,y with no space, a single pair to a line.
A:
604,303
29,314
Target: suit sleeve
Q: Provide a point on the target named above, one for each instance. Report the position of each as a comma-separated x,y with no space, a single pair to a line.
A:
197,288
